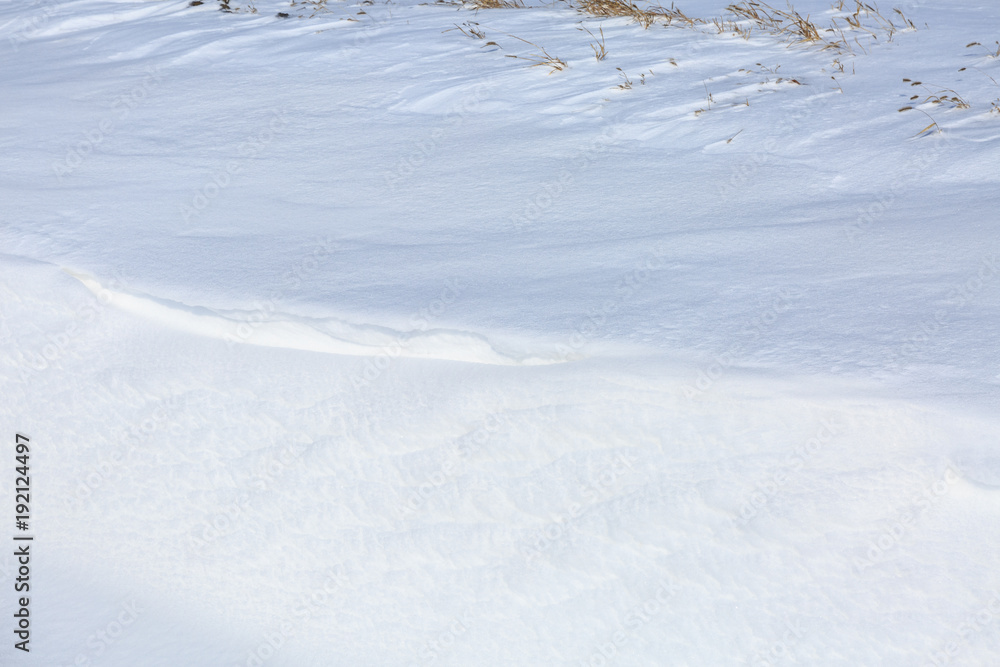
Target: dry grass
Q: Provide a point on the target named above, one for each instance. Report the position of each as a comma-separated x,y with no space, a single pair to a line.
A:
599,47
626,83
540,59
722,26
776,21
302,8
745,18
310,8
496,4
750,16
981,72
943,96
865,13
610,8
926,130
469,29
764,69
644,17
946,97
711,99
909,24
989,53
225,7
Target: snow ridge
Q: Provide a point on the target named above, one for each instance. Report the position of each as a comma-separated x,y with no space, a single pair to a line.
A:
330,335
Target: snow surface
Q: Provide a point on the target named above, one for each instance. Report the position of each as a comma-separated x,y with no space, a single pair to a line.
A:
345,340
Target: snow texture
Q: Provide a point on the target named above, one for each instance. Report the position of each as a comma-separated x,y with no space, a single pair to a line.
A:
344,340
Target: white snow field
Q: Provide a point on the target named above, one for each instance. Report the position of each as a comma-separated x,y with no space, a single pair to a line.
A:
346,340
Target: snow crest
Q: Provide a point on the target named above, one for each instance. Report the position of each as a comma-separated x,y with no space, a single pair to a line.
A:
269,328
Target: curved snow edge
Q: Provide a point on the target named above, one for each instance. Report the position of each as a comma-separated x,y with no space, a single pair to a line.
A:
269,328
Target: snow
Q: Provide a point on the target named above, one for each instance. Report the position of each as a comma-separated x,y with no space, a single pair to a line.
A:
349,340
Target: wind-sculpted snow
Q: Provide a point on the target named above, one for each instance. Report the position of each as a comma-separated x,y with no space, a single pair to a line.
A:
271,329
412,333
